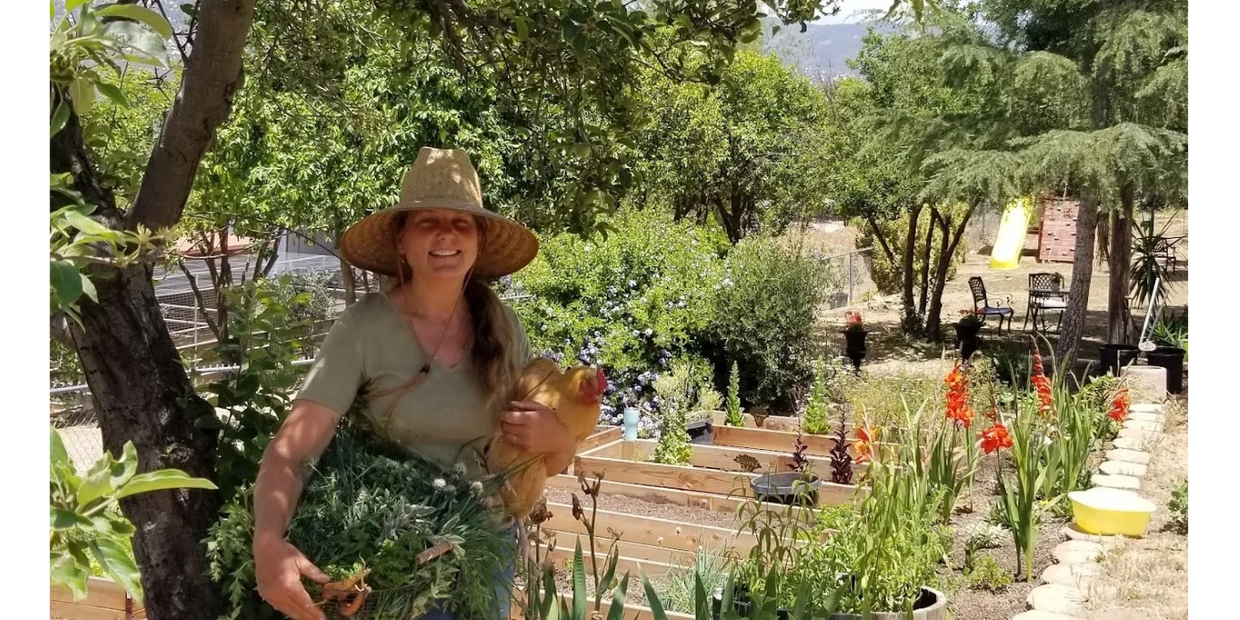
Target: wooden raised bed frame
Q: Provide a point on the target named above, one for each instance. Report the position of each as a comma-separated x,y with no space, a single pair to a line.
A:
105,600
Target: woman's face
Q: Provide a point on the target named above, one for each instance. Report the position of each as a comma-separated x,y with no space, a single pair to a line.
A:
439,244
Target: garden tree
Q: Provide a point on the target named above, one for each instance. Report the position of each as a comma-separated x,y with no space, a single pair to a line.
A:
881,179
871,182
748,150
1092,98
564,71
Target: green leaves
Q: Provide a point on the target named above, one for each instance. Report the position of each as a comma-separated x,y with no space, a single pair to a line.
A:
146,16
66,283
85,520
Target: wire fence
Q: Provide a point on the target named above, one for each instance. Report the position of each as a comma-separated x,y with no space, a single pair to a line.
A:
849,280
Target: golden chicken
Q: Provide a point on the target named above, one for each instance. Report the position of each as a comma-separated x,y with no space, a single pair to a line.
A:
575,396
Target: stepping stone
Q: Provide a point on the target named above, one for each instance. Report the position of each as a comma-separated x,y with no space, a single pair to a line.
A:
1120,468
1138,434
1129,456
1123,483
1075,533
1034,614
1145,408
1079,576
1125,443
1147,417
1056,599
1142,425
1146,383
1077,552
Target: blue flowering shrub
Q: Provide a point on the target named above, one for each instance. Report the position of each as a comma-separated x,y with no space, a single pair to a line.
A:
655,291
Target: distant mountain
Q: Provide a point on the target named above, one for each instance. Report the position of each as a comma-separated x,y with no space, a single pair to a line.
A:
823,50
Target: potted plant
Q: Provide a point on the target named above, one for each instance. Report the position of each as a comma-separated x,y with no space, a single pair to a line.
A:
797,487
1115,357
1169,334
854,339
967,329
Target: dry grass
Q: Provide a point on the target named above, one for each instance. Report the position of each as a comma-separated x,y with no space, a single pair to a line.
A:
1148,578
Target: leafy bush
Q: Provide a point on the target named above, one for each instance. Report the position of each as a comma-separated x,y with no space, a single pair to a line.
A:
733,404
816,420
66,369
676,393
988,575
985,536
1178,505
631,301
374,506
766,317
882,398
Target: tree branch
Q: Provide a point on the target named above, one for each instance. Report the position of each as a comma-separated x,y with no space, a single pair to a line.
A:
202,303
212,77
882,240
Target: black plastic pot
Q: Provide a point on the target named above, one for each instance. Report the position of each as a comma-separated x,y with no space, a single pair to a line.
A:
966,335
1116,357
790,488
931,605
854,347
1172,359
701,431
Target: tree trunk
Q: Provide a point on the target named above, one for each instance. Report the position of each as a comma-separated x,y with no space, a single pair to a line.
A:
1082,274
881,238
143,395
910,324
346,278
951,240
925,263
1103,235
139,387
1119,263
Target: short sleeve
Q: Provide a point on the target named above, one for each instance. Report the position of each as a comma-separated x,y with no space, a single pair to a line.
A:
337,373
522,339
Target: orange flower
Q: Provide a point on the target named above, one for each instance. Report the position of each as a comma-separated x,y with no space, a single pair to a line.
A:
958,409
1119,406
1040,382
995,437
862,445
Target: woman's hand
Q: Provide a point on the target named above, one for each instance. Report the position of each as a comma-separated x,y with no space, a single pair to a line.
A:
533,427
279,567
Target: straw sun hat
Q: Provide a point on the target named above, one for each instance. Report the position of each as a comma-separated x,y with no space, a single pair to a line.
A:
440,179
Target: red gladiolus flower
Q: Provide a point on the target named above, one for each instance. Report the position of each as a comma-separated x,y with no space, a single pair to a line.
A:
1040,382
853,317
958,409
1119,406
995,437
862,445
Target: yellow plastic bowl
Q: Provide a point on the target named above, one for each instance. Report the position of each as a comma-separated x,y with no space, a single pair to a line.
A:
1108,512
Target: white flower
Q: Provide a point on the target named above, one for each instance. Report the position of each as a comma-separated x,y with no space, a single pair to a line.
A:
476,488
439,484
459,468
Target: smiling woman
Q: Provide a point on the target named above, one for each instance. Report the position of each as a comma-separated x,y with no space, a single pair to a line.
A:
431,358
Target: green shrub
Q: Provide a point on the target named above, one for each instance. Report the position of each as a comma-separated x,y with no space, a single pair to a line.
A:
988,575
1178,505
733,404
882,398
765,318
66,369
816,420
676,587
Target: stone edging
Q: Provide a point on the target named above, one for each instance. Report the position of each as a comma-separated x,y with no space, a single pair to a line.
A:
1067,584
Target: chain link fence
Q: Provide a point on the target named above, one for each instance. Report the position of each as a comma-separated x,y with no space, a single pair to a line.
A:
848,280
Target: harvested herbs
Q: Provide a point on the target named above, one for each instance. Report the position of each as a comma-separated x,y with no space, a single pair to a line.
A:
421,536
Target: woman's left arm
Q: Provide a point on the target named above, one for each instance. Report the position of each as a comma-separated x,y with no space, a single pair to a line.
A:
534,427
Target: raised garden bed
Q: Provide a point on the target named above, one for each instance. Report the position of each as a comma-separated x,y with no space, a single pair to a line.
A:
105,600
725,469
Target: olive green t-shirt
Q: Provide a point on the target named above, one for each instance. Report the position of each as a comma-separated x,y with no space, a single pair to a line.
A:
370,350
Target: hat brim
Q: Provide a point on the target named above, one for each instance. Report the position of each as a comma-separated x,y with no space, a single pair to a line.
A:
506,246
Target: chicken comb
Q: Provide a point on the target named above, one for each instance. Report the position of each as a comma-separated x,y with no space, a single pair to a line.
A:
602,380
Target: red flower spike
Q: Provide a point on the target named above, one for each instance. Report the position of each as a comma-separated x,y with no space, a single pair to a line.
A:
995,437
862,445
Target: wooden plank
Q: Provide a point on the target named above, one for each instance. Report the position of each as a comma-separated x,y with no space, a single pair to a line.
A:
734,484
99,593
650,530
563,558
660,495
611,449
72,611
631,612
665,555
601,437
776,441
775,422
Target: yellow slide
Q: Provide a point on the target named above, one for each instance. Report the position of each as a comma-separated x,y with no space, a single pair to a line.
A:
1010,242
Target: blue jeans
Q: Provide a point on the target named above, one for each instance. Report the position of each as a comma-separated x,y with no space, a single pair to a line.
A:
504,576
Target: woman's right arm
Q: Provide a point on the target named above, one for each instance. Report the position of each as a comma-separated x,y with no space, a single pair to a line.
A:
278,565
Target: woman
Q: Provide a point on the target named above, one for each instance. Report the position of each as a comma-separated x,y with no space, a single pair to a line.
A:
431,357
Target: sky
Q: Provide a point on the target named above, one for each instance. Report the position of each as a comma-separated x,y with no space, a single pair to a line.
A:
849,11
